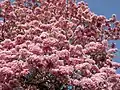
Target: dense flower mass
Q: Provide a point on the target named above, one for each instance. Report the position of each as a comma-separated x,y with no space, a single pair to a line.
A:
55,45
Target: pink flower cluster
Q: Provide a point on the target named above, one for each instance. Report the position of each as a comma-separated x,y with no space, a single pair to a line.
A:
62,38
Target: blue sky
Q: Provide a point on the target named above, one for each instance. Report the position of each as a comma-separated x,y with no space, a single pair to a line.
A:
106,8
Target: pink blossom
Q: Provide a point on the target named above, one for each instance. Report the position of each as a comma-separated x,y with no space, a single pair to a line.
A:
83,66
24,53
54,43
115,64
105,43
5,73
75,82
44,35
50,42
59,62
19,39
55,71
91,61
24,72
74,61
37,61
107,70
66,70
64,54
112,50
35,49
8,44
87,83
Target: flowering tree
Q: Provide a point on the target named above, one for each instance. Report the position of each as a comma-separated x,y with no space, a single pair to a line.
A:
55,45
